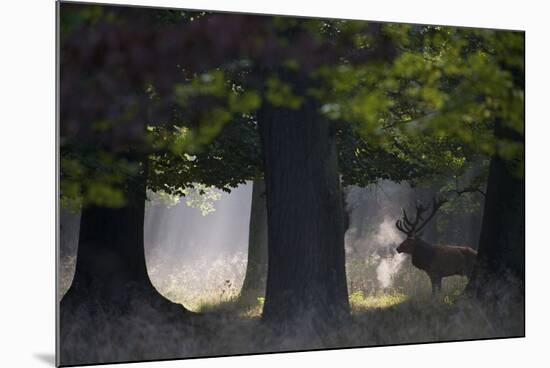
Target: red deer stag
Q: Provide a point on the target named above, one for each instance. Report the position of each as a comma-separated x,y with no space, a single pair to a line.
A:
437,261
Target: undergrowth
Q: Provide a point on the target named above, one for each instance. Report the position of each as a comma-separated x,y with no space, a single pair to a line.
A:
403,312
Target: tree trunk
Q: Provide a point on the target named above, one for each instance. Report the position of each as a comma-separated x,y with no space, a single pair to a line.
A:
111,271
501,249
475,229
256,269
306,261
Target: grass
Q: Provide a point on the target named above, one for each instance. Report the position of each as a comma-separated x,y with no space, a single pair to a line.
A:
231,306
402,312
360,302
213,285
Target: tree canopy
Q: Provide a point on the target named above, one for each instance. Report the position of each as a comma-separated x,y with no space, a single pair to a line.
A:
406,101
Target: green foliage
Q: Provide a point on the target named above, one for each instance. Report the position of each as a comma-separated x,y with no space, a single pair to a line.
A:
422,102
202,198
463,87
230,159
73,19
244,103
446,88
161,198
198,196
96,178
226,101
280,94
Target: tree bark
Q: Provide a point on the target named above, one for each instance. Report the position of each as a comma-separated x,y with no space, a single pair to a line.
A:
111,269
475,229
256,269
111,287
306,261
501,249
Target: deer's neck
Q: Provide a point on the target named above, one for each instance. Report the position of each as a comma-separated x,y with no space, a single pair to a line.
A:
422,244
422,254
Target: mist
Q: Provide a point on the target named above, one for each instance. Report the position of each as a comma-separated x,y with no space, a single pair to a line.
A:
190,253
199,259
372,235
196,247
181,233
387,236
194,256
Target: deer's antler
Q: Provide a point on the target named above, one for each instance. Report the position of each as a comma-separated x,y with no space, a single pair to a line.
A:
407,226
437,203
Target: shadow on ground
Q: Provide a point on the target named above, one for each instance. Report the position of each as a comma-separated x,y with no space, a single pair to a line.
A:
229,329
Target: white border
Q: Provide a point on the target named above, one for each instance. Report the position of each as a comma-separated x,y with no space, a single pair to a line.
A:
27,183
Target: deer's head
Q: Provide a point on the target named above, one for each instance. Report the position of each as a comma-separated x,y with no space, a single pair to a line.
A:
413,228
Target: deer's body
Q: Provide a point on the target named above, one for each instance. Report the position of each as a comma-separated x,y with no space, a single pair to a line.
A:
437,261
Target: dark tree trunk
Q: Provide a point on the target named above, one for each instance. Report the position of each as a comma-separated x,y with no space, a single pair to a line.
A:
475,229
111,284
111,271
256,269
306,260
501,249
69,228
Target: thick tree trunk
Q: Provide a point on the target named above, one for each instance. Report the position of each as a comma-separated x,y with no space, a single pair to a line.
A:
256,269
306,262
111,271
501,250
475,229
111,286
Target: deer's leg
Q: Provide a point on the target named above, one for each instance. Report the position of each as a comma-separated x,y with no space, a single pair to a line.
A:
436,284
433,281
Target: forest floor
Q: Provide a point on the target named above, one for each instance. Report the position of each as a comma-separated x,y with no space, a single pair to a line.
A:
403,313
389,317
